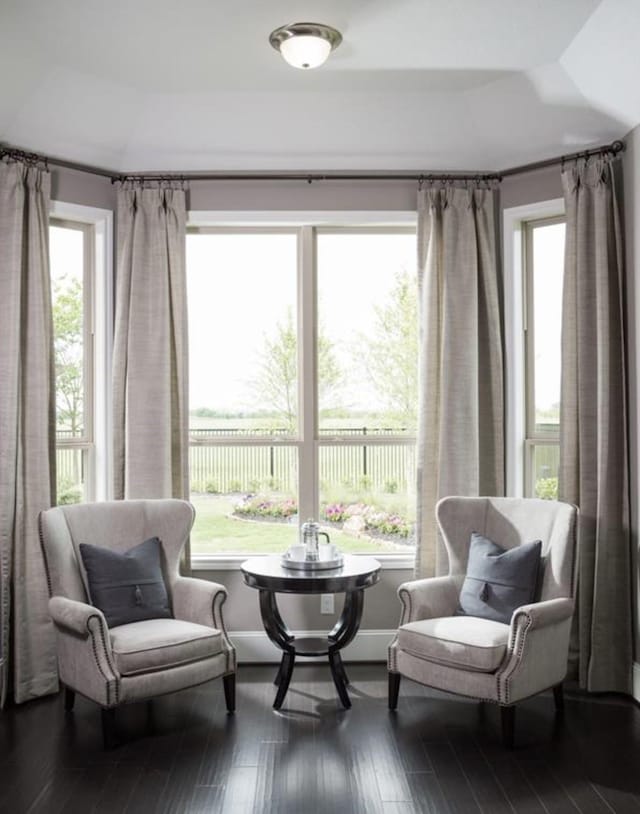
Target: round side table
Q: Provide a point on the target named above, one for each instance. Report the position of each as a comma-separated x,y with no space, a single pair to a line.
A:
269,576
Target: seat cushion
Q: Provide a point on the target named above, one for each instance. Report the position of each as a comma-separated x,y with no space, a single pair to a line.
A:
157,644
466,642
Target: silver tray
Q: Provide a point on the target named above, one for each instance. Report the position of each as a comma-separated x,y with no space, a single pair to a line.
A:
312,565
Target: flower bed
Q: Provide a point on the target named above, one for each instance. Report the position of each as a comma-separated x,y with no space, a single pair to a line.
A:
356,518
258,507
372,520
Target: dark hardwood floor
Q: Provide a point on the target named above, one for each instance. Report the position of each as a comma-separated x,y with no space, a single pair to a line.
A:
183,753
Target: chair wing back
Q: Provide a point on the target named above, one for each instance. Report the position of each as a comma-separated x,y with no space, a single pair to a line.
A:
118,525
510,522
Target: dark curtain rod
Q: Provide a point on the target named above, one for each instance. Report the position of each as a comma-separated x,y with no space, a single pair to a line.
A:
35,158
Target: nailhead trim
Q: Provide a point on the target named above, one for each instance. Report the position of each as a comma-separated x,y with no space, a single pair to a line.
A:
108,680
405,598
218,620
520,633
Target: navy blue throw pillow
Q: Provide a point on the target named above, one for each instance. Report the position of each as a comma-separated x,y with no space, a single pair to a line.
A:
499,580
127,587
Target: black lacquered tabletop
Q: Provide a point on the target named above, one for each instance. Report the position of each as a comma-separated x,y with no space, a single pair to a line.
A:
268,573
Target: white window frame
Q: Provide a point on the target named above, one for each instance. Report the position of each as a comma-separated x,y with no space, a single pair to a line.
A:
307,225
98,338
515,220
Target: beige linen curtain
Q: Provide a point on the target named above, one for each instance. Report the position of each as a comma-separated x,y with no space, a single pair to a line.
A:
27,431
461,401
593,420
150,362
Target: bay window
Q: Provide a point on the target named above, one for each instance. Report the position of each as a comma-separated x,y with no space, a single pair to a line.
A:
303,385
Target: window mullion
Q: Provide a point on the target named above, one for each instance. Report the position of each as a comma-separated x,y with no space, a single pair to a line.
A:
308,412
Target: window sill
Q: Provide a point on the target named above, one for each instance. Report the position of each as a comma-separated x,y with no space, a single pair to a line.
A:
232,562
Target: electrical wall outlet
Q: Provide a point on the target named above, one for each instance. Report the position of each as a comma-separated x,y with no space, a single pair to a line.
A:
326,603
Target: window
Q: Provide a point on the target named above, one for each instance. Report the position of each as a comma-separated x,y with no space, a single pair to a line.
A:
71,247
543,245
80,246
303,386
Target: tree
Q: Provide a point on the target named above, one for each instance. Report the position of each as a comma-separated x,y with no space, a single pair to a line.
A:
390,356
68,354
277,382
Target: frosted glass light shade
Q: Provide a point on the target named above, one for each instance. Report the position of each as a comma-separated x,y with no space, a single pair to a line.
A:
305,51
305,45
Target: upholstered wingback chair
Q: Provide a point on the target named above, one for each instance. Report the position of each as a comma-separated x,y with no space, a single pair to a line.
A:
140,660
483,659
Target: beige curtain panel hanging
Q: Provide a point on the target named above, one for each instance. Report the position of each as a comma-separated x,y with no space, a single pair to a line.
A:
150,361
27,429
461,393
594,465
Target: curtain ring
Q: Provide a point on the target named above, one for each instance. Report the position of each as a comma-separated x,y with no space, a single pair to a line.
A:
420,182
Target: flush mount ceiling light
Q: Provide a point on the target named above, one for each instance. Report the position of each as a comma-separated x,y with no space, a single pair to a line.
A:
305,45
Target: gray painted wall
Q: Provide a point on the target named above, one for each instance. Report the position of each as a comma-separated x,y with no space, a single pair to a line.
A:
531,187
261,196
82,188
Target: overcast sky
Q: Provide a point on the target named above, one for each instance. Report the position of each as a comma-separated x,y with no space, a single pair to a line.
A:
240,286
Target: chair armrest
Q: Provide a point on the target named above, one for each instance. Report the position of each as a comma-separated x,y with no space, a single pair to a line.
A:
75,616
538,649
428,598
85,659
201,601
541,614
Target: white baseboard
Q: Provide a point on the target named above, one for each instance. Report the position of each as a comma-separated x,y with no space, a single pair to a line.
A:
636,681
253,646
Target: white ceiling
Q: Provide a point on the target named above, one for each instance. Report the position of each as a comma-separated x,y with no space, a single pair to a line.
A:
417,84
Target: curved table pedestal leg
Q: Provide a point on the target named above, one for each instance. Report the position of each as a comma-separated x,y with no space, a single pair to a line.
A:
342,634
279,634
284,674
338,676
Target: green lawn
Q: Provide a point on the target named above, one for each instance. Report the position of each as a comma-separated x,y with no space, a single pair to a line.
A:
217,532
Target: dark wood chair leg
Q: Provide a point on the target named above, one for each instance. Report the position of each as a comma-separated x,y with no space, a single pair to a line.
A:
394,689
69,699
229,683
558,697
109,734
508,717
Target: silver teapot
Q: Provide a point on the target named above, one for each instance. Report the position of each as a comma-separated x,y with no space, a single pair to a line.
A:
309,537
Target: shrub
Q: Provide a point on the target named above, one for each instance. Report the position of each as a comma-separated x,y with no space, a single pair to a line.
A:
547,488
391,487
211,487
235,486
70,494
